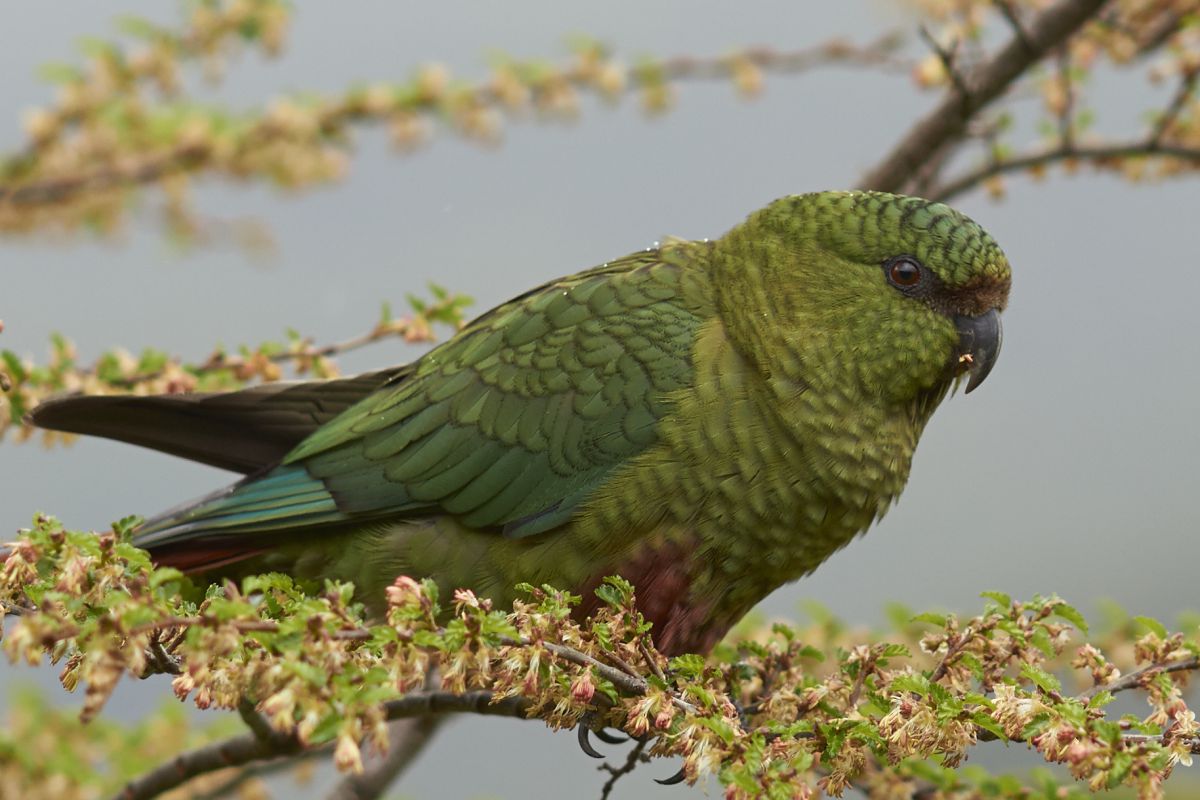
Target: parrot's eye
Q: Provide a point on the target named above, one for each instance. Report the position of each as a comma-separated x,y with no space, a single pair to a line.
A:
904,272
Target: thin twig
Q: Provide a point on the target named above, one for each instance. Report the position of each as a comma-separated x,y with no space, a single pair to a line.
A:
620,662
1014,21
634,758
651,661
1183,93
1135,680
948,57
860,680
952,650
1193,742
1094,154
1066,122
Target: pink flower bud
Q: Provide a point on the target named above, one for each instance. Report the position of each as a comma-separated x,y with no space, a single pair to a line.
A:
583,689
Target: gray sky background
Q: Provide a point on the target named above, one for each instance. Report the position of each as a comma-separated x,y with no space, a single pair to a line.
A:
1072,471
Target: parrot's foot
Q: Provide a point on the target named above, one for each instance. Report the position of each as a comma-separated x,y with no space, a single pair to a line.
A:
678,777
610,738
585,743
584,731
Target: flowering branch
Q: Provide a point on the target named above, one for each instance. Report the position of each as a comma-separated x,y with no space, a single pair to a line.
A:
306,672
25,384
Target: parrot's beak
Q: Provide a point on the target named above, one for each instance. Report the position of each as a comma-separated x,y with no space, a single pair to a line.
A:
979,341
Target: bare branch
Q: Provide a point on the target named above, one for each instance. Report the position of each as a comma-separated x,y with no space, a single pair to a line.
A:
234,752
436,702
984,83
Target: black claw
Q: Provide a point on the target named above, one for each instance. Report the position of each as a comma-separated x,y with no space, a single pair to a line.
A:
610,738
678,777
585,744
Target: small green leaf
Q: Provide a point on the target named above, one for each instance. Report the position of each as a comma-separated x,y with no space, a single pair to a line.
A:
984,721
1122,762
138,27
1153,625
1000,598
59,73
14,366
689,666
1071,615
615,591
164,575
1040,678
893,650
1041,640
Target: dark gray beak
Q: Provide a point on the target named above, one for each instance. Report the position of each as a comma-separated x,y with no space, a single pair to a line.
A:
979,341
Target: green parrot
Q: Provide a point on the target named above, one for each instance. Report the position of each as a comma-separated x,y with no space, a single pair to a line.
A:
709,420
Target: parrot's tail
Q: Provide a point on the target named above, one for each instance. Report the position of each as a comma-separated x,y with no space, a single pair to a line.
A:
244,431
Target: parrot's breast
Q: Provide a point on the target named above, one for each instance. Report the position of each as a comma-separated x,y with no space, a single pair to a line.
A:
746,491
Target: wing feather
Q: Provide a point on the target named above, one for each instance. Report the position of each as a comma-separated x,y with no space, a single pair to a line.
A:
508,426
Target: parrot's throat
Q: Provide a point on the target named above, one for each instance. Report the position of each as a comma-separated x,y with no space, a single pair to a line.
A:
663,578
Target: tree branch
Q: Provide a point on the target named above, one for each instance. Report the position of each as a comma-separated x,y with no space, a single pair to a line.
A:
55,190
1098,155
251,747
983,84
438,702
234,752
335,115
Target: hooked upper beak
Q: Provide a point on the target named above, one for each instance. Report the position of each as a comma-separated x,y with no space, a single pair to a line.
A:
979,341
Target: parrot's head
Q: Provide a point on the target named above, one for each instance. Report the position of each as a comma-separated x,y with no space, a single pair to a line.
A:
864,293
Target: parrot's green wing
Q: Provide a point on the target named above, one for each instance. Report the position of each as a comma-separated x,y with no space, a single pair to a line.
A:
507,426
